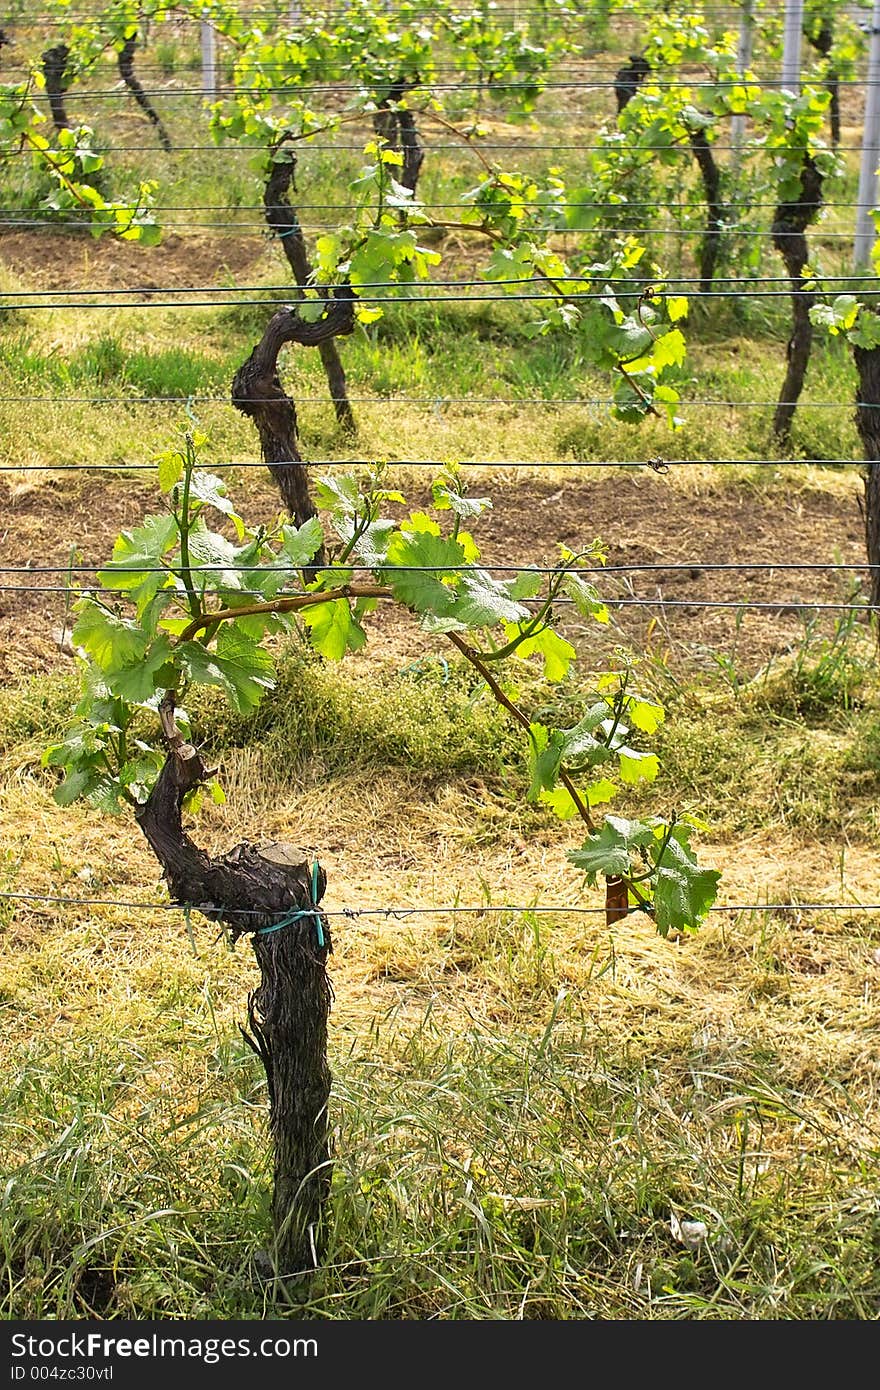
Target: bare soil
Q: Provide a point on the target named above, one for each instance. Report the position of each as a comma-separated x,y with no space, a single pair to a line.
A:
55,260
640,519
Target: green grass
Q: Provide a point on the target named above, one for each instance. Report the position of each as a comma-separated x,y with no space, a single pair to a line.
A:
106,362
797,745
467,355
500,1176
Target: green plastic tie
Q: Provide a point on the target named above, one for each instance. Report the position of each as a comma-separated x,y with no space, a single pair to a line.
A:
300,913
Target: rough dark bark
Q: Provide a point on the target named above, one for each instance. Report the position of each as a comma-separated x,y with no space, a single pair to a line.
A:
249,889
57,82
411,148
287,1017
125,60
399,130
867,362
823,41
790,222
257,392
711,176
629,78
284,222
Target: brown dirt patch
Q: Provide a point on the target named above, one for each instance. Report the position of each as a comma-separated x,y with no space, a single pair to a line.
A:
640,520
55,260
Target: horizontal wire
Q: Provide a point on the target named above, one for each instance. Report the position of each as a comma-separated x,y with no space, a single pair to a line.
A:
437,402
372,68
154,75
781,605
653,565
545,296
228,90
319,65
629,284
312,12
622,205
463,144
451,910
656,465
239,228
322,66
312,16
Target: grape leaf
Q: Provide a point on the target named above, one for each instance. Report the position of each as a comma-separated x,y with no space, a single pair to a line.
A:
210,549
301,544
112,642
669,351
556,652
333,629
212,492
135,566
636,766
684,892
447,499
482,601
239,666
527,584
372,545
866,333
545,751
645,714
171,464
608,851
561,801
423,592
585,598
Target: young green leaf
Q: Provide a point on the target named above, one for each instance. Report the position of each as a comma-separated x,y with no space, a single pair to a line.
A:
684,892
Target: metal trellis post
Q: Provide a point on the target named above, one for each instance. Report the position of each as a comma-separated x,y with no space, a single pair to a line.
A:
867,196
209,60
743,60
791,45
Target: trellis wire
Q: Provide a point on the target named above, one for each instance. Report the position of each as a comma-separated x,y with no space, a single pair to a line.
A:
120,92
437,402
463,144
314,11
631,285
621,205
450,910
648,566
654,465
252,228
775,606
544,297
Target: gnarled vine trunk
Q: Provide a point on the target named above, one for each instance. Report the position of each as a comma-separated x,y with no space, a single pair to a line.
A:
253,890
398,128
55,77
823,42
629,78
711,176
284,222
125,61
790,222
257,392
867,362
